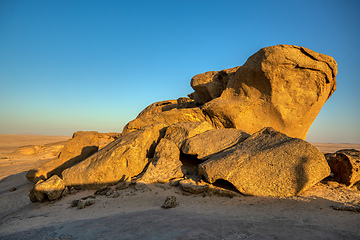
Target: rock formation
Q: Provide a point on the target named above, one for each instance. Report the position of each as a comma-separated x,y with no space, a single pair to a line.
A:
268,163
215,140
345,165
283,87
166,164
81,146
243,126
125,157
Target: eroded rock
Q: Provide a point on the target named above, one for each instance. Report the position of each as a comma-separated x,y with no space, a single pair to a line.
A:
179,132
212,141
345,166
282,86
168,117
191,186
158,107
166,164
81,146
50,189
210,85
268,163
126,157
170,202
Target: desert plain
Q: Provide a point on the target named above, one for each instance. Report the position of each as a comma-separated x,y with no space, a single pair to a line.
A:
319,213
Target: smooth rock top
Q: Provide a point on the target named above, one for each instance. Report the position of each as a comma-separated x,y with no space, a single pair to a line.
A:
268,163
215,140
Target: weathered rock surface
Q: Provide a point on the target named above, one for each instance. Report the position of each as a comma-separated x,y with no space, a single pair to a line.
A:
166,164
168,117
158,107
50,189
170,202
282,86
210,85
268,163
212,141
81,146
345,166
191,186
124,158
179,132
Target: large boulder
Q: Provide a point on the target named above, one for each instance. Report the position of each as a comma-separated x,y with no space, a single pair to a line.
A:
50,189
81,146
282,86
345,165
179,132
167,117
166,164
215,140
211,84
124,158
268,163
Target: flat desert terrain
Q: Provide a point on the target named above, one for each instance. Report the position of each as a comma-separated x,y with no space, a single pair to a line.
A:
136,212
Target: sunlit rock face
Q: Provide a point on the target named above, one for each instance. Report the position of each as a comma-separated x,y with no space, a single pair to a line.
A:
282,86
268,163
243,125
124,158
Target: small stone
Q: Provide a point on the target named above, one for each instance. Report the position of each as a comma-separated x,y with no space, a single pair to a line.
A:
114,194
191,186
12,189
122,185
87,197
175,182
170,202
109,192
141,187
74,203
102,190
65,192
163,186
84,203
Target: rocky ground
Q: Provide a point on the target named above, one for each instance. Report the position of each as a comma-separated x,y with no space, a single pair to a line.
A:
327,211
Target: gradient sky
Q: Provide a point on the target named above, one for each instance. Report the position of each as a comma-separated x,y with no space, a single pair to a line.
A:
94,65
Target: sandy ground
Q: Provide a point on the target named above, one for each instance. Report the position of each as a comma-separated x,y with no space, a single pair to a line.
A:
137,213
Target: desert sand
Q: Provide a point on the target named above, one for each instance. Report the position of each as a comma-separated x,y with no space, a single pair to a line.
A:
137,214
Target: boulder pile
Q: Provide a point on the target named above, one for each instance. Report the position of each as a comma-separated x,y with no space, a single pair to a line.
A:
244,126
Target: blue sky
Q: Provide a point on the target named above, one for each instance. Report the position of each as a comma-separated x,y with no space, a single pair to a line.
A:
94,65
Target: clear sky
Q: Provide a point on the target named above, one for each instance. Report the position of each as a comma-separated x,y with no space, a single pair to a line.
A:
94,65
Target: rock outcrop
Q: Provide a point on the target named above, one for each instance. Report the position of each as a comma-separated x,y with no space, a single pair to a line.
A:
166,164
50,189
268,163
282,86
215,140
210,85
126,157
345,165
81,146
242,126
179,132
167,117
